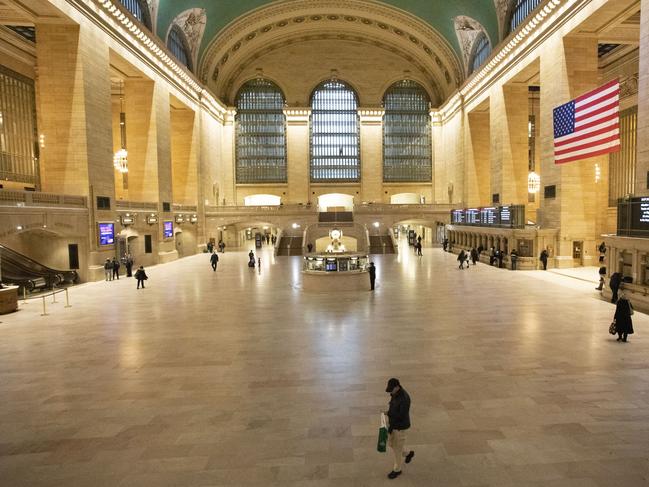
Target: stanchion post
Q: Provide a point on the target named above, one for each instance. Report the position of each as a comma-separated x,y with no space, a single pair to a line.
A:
24,295
44,308
54,297
67,299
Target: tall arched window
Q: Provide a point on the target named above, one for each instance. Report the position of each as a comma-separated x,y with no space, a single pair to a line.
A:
177,44
140,11
519,11
480,52
407,145
335,142
261,133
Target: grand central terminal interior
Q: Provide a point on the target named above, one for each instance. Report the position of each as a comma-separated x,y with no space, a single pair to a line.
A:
224,225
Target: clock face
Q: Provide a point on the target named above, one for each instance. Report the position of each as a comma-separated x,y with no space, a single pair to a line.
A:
336,234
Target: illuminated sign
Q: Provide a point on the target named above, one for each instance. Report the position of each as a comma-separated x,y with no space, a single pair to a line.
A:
106,233
168,229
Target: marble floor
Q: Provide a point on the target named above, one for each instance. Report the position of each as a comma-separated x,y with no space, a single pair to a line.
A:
239,378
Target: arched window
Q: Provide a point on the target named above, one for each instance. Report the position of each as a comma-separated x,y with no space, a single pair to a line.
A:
260,133
177,44
480,52
335,142
520,9
140,11
407,145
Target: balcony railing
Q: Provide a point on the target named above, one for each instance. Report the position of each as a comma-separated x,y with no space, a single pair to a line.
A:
274,209
402,208
32,198
136,205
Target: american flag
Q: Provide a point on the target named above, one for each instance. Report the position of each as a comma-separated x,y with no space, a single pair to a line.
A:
589,125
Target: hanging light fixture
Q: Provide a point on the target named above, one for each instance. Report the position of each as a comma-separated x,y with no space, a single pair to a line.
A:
120,159
533,179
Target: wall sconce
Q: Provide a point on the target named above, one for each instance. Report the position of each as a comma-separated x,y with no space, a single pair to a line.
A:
41,141
179,219
193,219
533,182
152,218
127,219
598,173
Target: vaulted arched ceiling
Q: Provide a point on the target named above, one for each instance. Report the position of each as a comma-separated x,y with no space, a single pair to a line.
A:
439,14
385,39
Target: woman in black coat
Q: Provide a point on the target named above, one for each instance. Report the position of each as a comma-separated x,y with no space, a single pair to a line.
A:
623,321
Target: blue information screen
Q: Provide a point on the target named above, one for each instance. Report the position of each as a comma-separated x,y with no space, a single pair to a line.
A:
106,233
168,230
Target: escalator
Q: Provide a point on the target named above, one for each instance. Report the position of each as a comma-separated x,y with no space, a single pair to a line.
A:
20,270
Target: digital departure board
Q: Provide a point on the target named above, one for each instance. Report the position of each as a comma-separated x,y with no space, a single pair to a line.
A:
633,217
510,216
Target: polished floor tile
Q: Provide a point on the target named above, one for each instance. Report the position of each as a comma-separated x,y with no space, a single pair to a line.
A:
241,378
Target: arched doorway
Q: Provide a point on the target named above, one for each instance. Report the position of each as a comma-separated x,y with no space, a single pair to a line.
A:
335,202
406,199
262,200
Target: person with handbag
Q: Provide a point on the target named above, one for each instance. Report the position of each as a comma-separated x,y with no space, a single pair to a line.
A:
398,422
622,318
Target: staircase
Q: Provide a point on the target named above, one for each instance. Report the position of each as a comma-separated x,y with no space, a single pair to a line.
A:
381,244
290,246
335,216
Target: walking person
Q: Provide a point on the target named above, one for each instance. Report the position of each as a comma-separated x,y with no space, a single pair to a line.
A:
398,422
474,255
513,258
445,244
115,268
372,271
419,254
614,284
622,318
461,258
108,270
544,259
141,276
214,259
602,273
501,256
128,263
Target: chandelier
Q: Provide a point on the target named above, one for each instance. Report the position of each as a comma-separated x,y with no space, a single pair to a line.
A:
120,159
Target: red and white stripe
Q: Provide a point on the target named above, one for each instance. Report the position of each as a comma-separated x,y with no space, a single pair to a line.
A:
597,126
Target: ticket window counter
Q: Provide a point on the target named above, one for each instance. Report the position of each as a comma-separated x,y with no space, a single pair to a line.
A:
627,264
525,248
644,266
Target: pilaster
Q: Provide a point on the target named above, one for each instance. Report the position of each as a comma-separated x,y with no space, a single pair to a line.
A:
371,132
297,155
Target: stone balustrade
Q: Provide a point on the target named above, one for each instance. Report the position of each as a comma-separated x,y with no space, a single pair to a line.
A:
38,199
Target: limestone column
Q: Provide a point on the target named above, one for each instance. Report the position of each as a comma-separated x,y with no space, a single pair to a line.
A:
141,135
642,165
508,119
74,109
477,158
228,160
371,129
297,154
568,69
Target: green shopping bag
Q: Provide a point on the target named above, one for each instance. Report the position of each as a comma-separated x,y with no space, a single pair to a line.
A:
382,444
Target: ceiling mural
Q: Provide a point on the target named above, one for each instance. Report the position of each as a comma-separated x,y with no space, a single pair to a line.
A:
438,14
467,30
192,22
